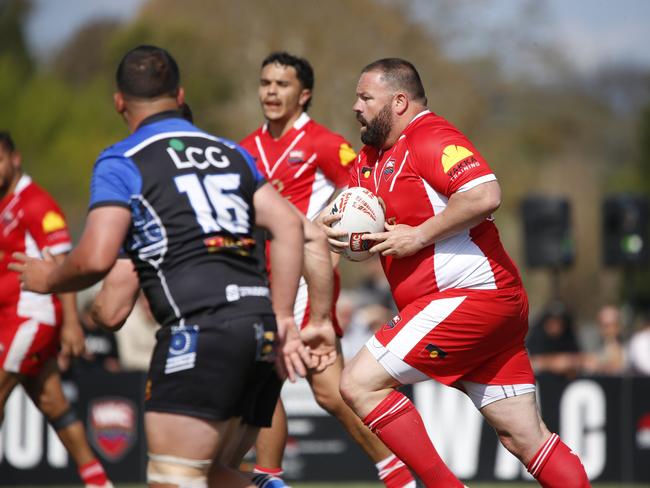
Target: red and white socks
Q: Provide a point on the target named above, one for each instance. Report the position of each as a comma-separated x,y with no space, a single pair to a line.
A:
556,466
399,425
93,474
394,473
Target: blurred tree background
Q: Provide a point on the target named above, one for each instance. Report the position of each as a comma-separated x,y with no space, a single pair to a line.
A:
545,126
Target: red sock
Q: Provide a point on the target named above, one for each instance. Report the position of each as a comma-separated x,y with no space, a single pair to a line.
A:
272,471
556,466
399,425
93,473
394,473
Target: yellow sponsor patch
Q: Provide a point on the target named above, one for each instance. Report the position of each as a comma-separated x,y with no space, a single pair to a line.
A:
452,155
53,222
346,154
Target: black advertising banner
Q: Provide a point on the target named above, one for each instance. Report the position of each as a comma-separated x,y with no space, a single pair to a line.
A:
606,420
110,405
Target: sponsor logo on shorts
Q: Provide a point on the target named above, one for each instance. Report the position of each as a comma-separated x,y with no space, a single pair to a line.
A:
236,292
112,426
393,322
265,344
357,244
435,352
182,348
147,390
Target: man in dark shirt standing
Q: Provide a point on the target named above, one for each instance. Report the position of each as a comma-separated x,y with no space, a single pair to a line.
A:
183,203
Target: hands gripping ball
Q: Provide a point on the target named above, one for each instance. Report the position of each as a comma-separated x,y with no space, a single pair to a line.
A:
361,213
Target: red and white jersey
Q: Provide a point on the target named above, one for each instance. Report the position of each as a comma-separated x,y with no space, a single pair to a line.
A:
29,221
306,165
431,161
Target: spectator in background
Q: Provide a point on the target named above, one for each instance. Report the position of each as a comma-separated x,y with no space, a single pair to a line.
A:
374,287
639,347
552,343
359,321
137,337
610,357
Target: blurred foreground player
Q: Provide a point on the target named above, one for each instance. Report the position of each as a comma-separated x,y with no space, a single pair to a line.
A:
33,326
307,163
463,311
182,203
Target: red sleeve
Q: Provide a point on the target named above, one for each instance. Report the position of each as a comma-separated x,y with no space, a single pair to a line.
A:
353,174
248,143
335,156
448,161
46,223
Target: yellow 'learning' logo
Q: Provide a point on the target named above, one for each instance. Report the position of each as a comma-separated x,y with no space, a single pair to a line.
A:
53,222
452,155
346,154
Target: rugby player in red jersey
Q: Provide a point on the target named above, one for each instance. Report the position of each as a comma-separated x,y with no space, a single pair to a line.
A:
307,163
463,309
33,326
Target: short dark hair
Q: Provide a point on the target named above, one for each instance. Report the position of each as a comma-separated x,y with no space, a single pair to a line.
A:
148,72
401,74
7,141
304,71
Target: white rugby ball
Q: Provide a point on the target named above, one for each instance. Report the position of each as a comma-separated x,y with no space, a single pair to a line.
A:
361,213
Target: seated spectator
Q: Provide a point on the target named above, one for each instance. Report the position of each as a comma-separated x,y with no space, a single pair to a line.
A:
552,344
639,347
610,357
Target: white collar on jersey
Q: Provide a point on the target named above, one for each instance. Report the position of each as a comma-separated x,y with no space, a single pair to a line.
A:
421,114
300,122
23,183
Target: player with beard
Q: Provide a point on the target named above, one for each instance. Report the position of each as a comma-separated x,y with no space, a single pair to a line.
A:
463,309
307,163
33,326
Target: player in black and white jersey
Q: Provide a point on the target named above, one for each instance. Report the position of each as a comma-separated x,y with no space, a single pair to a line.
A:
183,203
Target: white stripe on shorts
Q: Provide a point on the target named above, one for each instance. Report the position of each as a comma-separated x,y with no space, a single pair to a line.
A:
482,395
421,324
20,344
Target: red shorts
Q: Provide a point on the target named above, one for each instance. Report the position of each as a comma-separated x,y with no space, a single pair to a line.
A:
26,345
463,335
301,307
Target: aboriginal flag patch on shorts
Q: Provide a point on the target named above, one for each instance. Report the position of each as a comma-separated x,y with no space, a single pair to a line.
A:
435,352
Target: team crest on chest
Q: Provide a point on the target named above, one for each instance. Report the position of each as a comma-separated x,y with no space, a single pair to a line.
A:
389,169
296,157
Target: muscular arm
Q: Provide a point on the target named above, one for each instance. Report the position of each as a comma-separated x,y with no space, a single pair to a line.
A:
276,215
317,270
464,210
117,297
72,336
89,261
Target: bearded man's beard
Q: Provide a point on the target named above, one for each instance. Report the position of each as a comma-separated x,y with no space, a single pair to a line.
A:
377,129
